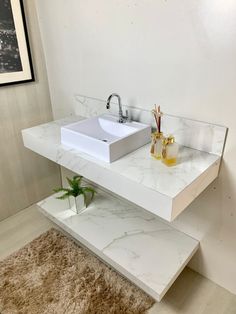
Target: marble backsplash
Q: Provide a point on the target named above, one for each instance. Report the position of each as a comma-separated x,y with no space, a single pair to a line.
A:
198,135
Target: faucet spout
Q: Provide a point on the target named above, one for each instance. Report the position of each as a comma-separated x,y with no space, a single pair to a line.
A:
122,118
109,100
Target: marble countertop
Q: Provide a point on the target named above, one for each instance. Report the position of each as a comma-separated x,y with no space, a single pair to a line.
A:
163,190
118,232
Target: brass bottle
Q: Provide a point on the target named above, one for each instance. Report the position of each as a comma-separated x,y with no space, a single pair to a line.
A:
169,151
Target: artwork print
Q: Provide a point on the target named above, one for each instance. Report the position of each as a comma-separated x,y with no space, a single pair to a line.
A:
15,59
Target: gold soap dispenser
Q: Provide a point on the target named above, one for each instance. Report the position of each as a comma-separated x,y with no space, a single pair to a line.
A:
170,151
157,136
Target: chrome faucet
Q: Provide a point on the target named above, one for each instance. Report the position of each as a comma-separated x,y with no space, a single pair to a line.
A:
122,118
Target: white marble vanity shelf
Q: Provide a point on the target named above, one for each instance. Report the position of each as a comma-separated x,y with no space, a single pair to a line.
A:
137,177
135,242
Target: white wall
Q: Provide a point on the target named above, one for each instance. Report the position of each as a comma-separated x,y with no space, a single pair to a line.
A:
180,54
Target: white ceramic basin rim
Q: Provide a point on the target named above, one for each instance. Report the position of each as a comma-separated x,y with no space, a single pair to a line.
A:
103,137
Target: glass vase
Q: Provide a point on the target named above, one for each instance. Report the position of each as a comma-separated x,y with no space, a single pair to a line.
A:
156,145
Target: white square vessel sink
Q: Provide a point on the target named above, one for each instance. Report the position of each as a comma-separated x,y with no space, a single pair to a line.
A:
104,138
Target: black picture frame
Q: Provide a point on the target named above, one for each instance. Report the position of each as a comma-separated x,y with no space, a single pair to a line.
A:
16,65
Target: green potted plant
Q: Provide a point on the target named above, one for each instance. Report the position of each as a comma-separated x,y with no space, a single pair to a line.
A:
79,196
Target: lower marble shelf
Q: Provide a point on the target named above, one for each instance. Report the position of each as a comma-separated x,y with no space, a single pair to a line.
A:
147,251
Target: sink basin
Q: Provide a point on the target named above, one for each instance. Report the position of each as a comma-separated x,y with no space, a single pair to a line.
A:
104,138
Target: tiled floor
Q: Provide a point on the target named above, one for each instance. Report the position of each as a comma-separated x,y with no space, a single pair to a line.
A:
190,294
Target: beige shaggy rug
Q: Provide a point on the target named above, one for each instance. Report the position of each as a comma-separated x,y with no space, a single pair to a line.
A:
52,274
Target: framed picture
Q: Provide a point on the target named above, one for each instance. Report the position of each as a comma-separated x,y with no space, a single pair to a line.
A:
15,59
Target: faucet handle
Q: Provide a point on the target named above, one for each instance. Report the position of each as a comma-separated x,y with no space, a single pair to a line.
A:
127,118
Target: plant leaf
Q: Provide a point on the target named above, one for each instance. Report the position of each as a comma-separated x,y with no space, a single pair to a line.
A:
64,196
75,189
78,179
85,199
75,184
61,190
87,189
70,182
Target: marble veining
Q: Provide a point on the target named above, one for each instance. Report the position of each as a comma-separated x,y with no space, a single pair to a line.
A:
148,251
156,185
198,135
138,166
